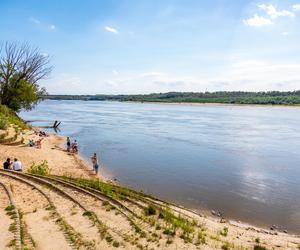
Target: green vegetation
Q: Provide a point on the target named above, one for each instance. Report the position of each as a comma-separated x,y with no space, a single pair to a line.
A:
150,210
40,169
258,247
201,240
224,231
10,208
21,67
7,117
227,246
230,97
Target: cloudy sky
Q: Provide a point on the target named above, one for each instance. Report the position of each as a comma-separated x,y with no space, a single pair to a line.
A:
144,46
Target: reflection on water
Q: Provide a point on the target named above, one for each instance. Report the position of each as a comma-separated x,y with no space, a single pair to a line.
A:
241,160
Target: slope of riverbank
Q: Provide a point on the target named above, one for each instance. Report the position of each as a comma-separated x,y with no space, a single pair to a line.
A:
174,228
52,150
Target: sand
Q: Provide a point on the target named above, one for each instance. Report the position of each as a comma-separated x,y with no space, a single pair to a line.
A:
52,150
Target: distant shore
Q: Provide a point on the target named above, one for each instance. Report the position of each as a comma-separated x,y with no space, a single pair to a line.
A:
216,104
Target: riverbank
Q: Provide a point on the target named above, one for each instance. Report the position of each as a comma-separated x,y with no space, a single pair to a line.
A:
219,232
52,151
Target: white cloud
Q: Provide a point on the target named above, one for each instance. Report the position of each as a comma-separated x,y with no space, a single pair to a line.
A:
52,27
273,13
111,29
41,24
258,75
115,72
285,33
34,20
257,21
296,7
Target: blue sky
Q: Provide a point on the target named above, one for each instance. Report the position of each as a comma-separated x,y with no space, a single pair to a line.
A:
145,46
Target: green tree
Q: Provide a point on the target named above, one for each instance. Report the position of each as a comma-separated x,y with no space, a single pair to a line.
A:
21,68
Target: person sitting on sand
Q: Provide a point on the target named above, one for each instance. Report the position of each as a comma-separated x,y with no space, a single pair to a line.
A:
68,144
38,143
17,165
95,163
31,143
7,164
75,147
42,133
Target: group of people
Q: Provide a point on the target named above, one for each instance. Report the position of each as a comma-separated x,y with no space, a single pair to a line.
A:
37,143
72,146
15,165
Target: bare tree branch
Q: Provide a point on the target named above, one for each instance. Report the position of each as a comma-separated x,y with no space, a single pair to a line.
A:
21,63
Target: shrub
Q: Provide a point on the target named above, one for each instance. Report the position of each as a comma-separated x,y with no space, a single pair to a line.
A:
41,169
150,210
224,232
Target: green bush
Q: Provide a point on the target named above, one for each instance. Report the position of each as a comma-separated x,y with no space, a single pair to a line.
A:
41,169
150,210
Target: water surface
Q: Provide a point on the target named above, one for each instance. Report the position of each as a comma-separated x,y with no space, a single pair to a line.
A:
241,160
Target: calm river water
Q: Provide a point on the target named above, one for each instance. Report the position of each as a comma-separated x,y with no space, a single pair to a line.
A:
241,160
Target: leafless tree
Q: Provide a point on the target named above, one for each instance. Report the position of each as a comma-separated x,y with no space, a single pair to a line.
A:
21,63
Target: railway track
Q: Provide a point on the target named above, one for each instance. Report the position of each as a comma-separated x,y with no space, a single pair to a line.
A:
58,185
90,214
74,238
14,213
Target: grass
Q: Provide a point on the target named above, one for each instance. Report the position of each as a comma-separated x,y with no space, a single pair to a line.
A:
120,193
3,122
259,247
226,246
102,228
116,244
109,239
201,240
169,231
224,231
40,169
25,234
74,237
150,210
176,221
10,208
7,117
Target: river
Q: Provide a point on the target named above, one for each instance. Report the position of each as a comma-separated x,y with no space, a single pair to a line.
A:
241,160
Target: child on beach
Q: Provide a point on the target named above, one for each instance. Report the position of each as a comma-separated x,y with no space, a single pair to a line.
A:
75,147
95,163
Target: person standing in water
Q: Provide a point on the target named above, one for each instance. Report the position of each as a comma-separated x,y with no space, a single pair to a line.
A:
95,163
68,144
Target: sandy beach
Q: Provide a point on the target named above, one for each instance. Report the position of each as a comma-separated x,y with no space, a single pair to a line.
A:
218,233
52,150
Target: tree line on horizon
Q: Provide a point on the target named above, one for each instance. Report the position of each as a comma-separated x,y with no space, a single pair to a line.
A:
229,97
